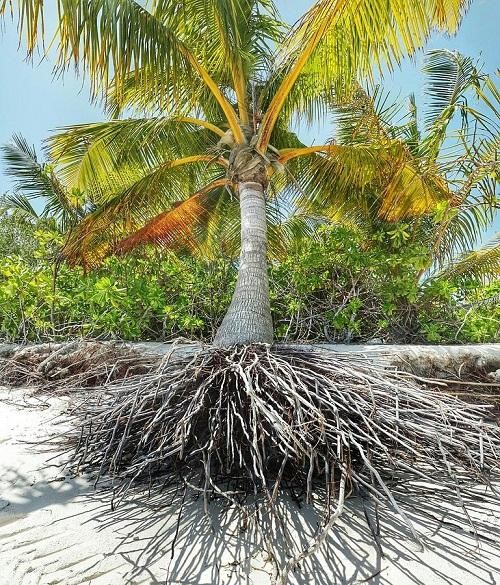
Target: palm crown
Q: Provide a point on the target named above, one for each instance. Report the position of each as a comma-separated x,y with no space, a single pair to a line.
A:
220,83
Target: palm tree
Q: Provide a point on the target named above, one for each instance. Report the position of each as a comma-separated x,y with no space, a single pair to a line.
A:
456,147
462,139
220,84
35,180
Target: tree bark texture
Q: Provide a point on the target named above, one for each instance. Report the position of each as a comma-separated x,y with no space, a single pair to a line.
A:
248,319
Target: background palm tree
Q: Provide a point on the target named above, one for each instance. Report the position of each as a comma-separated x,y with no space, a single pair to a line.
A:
455,145
35,180
221,83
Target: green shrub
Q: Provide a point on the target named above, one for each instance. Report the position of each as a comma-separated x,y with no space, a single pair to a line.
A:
336,287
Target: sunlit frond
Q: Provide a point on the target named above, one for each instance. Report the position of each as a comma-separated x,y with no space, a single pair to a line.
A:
410,192
379,178
368,117
110,39
107,38
339,40
176,227
93,156
286,231
233,37
127,210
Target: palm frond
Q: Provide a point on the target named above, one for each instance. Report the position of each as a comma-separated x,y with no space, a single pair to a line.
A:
449,75
176,227
19,204
30,175
451,80
129,208
107,38
91,156
482,265
338,41
410,132
110,39
286,231
233,38
409,192
379,178
36,180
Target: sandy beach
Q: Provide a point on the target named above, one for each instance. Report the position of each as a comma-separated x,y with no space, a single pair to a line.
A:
57,530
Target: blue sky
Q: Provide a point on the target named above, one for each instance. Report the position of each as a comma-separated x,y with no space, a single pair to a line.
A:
33,102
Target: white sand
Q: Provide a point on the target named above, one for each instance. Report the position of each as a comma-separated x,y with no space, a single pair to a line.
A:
55,530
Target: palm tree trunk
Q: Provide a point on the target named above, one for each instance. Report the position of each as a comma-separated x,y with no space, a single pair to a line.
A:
248,319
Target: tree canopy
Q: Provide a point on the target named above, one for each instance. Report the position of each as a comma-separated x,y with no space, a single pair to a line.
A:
210,85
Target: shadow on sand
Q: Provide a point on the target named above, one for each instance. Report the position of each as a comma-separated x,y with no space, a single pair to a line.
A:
169,539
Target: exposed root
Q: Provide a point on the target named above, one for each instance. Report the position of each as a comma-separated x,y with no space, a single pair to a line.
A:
77,364
251,421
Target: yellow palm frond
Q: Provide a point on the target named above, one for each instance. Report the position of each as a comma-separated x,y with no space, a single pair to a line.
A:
410,193
382,177
109,39
338,41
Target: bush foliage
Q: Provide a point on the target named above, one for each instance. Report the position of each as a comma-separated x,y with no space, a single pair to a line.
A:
337,286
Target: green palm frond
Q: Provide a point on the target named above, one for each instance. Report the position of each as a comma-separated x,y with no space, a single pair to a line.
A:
474,204
369,118
109,39
90,156
138,93
451,77
18,204
29,174
36,180
233,38
379,178
409,132
482,265
286,231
